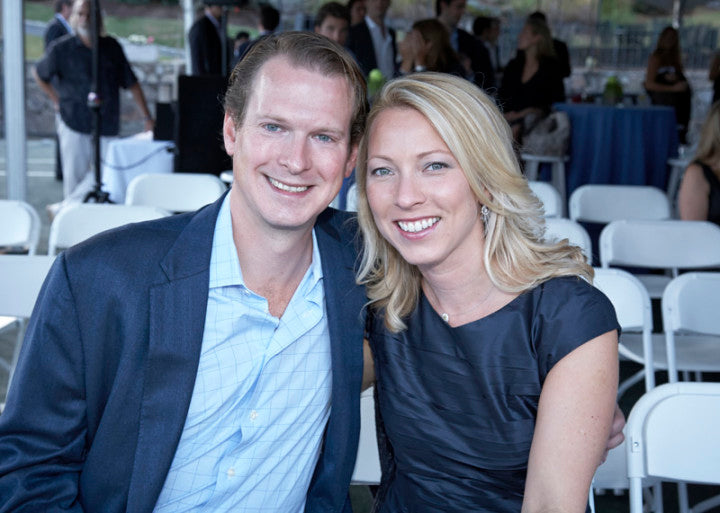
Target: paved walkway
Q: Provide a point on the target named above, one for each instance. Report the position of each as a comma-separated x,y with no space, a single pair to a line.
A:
42,188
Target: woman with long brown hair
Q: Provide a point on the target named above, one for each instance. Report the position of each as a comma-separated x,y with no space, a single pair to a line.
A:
665,80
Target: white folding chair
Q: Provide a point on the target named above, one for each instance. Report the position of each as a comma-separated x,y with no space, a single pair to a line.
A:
548,196
672,434
557,172
174,192
20,226
691,320
558,228
634,313
669,245
607,203
80,221
367,465
612,474
21,277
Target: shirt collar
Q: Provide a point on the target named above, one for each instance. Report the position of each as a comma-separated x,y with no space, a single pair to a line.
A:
372,25
225,265
65,23
214,20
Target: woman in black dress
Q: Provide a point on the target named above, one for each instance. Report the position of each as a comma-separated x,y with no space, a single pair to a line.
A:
699,193
495,360
665,79
532,81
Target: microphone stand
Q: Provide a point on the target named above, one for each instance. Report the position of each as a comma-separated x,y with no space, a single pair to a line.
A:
97,195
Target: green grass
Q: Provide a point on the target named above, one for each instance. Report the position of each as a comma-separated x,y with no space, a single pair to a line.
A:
165,31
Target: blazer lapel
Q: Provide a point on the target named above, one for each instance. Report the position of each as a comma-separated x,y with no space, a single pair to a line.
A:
344,302
177,318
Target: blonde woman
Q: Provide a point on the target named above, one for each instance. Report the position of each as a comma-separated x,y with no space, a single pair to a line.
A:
495,360
699,193
532,81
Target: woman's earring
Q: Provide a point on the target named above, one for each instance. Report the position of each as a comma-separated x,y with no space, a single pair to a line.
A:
485,211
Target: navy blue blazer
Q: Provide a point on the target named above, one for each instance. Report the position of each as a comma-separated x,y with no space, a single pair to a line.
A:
109,361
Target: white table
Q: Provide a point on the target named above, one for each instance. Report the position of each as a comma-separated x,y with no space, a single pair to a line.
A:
129,157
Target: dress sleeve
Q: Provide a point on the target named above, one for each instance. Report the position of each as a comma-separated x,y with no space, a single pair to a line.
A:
569,312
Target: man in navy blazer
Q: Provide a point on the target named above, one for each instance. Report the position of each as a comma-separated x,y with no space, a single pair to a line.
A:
205,42
114,355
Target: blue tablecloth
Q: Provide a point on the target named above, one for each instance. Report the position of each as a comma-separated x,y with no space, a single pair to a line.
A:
619,145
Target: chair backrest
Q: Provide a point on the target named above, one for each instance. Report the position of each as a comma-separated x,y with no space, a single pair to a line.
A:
21,277
607,203
548,196
672,433
668,244
174,192
367,465
558,228
351,199
633,309
691,303
75,223
20,226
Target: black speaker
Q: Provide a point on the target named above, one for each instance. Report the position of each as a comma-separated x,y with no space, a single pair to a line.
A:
198,125
164,122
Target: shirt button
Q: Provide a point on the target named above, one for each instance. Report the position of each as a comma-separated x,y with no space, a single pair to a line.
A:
253,415
231,472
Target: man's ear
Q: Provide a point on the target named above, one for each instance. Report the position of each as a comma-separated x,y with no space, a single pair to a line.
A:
229,133
352,160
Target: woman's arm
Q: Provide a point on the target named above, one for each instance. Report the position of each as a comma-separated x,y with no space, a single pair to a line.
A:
714,67
693,195
574,418
652,85
368,366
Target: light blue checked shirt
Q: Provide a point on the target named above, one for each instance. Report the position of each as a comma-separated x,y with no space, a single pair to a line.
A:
261,400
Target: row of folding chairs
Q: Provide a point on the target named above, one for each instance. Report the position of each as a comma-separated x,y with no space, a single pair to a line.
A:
149,196
670,436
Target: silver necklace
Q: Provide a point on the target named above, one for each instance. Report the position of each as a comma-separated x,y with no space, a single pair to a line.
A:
446,316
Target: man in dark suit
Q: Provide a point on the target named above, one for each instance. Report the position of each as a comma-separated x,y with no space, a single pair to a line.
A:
55,29
373,42
205,42
59,25
474,55
210,357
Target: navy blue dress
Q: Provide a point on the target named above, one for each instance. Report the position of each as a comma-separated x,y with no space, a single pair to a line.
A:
459,404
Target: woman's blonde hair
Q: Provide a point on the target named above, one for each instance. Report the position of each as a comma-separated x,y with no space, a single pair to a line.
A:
545,46
708,150
515,255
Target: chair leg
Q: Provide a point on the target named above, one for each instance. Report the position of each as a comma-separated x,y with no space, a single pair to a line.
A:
706,505
531,169
683,498
632,380
558,181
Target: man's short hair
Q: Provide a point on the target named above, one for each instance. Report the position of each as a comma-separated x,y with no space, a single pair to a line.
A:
483,23
59,4
269,17
538,15
306,50
438,4
334,9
